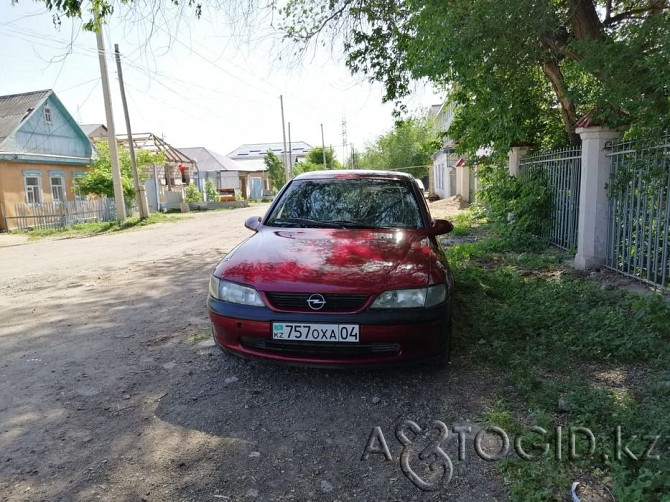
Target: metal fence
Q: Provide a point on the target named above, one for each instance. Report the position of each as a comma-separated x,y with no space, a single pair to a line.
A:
61,214
639,219
561,170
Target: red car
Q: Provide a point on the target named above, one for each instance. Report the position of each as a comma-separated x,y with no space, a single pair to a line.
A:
345,269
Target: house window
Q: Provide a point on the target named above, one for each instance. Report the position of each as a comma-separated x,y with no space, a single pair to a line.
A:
47,115
33,189
78,196
57,188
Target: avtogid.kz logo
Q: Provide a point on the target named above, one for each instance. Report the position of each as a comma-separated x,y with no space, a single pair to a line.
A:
423,450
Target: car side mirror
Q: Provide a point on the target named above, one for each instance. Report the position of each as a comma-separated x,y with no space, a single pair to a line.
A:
440,227
253,223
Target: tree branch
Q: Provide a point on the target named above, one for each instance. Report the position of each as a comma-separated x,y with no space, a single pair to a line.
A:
632,13
555,76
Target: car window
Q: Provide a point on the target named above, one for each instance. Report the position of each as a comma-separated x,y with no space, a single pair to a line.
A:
360,202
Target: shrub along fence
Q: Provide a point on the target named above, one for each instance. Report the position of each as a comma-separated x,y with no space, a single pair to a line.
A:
61,214
561,171
611,202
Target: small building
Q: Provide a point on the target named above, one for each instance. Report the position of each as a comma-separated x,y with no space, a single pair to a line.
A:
222,171
253,172
251,155
42,151
443,172
165,183
94,131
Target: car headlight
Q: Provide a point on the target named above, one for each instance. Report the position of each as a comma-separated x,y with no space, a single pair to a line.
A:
411,298
234,293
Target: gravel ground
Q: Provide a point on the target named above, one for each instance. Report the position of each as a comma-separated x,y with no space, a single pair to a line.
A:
111,389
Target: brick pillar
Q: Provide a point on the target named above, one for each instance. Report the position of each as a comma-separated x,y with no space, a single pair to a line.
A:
593,200
463,182
515,155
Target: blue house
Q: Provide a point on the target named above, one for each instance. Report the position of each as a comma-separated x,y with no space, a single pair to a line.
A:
42,151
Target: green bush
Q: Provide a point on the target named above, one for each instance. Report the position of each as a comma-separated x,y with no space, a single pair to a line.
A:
519,207
99,181
210,191
192,194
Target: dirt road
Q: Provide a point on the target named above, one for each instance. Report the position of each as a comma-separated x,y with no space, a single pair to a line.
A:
109,389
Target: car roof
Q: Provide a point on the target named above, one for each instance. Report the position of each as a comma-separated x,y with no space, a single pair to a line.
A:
354,173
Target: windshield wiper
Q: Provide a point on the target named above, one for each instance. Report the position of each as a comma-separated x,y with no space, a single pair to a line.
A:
351,224
307,222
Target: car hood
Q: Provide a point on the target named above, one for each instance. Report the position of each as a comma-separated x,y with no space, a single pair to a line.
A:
333,260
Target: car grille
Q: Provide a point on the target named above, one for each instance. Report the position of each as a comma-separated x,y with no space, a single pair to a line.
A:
321,349
335,302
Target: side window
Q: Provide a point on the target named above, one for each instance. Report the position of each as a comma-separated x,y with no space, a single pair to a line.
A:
33,189
57,188
48,115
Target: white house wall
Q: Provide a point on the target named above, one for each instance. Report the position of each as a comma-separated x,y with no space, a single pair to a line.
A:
441,178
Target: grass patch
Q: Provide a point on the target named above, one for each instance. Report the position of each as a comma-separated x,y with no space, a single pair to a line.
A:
199,337
103,227
555,337
465,222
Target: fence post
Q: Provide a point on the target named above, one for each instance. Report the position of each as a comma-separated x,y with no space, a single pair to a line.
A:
514,156
593,200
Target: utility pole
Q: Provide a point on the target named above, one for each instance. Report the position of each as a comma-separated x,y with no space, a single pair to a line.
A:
290,151
344,139
283,128
323,148
111,132
140,193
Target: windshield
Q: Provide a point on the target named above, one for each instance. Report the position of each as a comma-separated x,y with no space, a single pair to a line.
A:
347,203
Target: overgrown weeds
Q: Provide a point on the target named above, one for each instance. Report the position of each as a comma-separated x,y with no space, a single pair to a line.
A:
572,354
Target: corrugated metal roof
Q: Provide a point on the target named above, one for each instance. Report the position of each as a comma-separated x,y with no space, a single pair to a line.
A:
210,161
89,128
251,164
15,108
258,150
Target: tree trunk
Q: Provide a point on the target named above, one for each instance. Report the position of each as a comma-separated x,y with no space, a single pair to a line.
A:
555,76
584,20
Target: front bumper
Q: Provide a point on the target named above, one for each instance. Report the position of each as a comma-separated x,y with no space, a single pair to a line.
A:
386,337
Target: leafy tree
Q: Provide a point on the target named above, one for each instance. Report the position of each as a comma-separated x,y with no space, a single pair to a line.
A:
305,167
98,180
521,71
315,156
314,161
192,194
407,147
276,172
210,190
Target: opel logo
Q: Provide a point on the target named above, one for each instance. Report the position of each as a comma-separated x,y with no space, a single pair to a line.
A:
316,302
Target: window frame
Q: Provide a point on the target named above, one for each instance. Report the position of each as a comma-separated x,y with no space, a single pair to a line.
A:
59,175
47,113
36,190
78,196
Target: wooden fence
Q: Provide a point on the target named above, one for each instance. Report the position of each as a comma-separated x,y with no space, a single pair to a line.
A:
61,214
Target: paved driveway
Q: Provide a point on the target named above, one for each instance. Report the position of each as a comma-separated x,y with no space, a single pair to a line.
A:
109,389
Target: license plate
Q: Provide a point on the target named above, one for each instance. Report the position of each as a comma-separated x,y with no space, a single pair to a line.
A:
315,332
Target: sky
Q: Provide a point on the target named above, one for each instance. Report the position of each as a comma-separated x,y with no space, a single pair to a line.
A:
208,82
